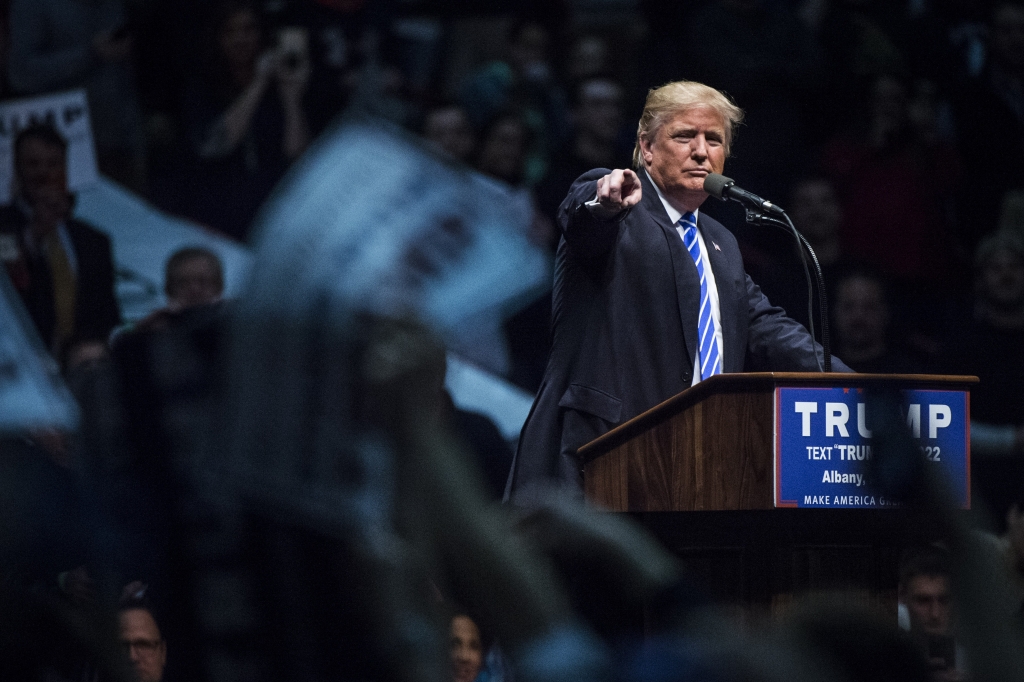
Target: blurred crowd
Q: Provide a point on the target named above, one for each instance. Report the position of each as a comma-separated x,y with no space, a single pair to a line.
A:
891,131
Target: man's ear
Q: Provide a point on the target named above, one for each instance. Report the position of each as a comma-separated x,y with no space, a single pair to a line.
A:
646,155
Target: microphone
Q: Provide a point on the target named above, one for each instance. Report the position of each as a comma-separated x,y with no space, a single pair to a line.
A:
723,188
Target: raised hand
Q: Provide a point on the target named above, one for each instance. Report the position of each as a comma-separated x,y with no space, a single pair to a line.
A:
617,191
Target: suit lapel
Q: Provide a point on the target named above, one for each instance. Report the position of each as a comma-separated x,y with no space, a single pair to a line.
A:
684,273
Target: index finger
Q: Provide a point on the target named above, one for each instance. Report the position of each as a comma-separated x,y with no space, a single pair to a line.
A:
615,185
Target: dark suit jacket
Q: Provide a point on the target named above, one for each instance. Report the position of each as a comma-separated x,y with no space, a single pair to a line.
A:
96,309
625,305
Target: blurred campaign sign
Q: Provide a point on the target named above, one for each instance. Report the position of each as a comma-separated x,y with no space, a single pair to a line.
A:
68,112
476,390
823,443
32,393
373,220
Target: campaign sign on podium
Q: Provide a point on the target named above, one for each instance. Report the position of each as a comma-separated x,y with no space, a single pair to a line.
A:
822,444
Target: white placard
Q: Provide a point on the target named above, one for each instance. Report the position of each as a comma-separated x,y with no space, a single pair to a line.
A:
68,112
375,221
32,393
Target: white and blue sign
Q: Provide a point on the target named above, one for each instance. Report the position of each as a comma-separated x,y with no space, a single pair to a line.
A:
822,444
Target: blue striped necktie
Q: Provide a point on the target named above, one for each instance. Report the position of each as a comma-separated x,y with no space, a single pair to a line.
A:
710,361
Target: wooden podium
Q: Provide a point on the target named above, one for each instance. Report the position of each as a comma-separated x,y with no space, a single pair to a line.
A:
699,471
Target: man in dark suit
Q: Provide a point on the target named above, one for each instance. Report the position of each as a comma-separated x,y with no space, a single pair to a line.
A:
638,315
62,267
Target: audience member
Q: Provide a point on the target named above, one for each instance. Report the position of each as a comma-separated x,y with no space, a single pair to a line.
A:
467,649
62,267
63,44
140,635
895,179
855,50
343,36
588,58
862,317
524,80
245,118
775,260
989,347
502,154
925,596
448,129
504,144
193,276
816,212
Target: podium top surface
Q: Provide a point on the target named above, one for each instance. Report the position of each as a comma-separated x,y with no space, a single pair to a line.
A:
760,382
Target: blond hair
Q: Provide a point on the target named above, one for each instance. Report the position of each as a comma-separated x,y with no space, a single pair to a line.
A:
679,96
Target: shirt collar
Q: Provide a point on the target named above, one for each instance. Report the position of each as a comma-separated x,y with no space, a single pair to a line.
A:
673,214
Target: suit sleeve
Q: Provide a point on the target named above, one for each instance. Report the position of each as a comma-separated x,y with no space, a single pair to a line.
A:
98,311
777,342
586,236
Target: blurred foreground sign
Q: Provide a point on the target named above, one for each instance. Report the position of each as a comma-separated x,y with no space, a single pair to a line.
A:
32,394
68,112
377,223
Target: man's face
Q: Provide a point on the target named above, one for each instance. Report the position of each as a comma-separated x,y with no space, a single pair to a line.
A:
816,210
929,603
146,649
193,282
466,650
450,130
1002,280
41,166
682,152
599,112
503,150
861,313
529,51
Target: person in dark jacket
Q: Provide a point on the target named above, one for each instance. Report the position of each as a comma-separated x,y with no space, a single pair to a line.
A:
650,295
62,267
